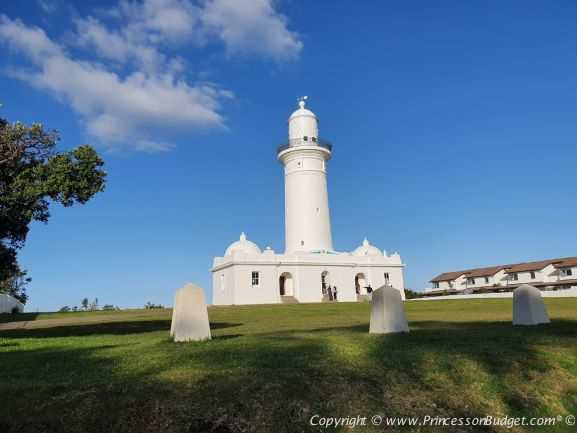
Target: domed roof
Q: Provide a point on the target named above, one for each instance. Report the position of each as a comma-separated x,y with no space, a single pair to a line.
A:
243,245
302,111
367,249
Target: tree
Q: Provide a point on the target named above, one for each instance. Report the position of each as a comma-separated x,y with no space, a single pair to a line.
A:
13,282
108,307
65,309
32,175
411,294
84,304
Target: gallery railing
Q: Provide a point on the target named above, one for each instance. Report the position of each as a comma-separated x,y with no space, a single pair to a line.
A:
306,141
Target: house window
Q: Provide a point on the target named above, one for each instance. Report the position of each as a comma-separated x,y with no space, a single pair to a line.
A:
532,275
435,285
255,278
566,272
450,284
486,280
470,281
515,276
386,278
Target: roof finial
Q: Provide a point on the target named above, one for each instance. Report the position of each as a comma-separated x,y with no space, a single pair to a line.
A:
242,236
302,100
365,242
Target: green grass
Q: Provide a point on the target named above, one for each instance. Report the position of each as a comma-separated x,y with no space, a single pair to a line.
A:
270,368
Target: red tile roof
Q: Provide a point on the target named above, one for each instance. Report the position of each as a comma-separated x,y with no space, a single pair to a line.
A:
484,272
516,267
448,276
566,263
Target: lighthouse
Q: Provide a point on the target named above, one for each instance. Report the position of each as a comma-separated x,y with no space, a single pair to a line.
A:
309,269
304,157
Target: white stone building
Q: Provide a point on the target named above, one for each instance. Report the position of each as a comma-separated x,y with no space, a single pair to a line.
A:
552,274
309,268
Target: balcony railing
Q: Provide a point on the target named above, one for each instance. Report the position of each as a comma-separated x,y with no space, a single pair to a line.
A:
306,141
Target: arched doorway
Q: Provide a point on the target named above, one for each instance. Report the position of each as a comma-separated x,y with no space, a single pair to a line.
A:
286,285
360,284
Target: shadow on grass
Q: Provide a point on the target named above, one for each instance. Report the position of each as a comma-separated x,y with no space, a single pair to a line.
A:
276,382
558,327
20,317
107,328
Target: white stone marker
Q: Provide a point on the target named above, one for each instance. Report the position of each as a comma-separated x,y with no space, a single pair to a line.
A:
189,315
387,313
528,306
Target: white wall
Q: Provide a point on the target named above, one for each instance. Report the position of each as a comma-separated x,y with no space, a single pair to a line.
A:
307,215
8,303
265,293
549,274
223,287
525,278
376,276
568,277
457,284
306,271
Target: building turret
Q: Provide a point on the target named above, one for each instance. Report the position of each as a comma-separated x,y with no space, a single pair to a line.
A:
307,216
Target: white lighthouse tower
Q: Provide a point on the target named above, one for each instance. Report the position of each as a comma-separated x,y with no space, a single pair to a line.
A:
309,270
307,216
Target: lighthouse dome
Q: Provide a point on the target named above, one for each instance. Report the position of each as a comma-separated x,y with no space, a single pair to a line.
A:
303,123
243,246
366,249
302,112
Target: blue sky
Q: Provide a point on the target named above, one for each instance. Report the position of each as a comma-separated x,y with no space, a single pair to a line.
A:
454,127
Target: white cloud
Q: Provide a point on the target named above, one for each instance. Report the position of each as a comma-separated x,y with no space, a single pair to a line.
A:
129,92
251,26
127,111
115,46
244,26
48,6
155,20
33,41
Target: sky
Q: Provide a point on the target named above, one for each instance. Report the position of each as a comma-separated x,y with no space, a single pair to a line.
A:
453,123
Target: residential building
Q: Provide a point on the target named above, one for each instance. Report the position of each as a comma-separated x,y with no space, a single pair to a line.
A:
552,274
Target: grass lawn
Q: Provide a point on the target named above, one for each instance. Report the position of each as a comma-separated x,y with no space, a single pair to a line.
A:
270,368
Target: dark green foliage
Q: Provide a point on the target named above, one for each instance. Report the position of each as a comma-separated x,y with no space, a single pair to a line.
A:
32,175
13,281
411,294
151,306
